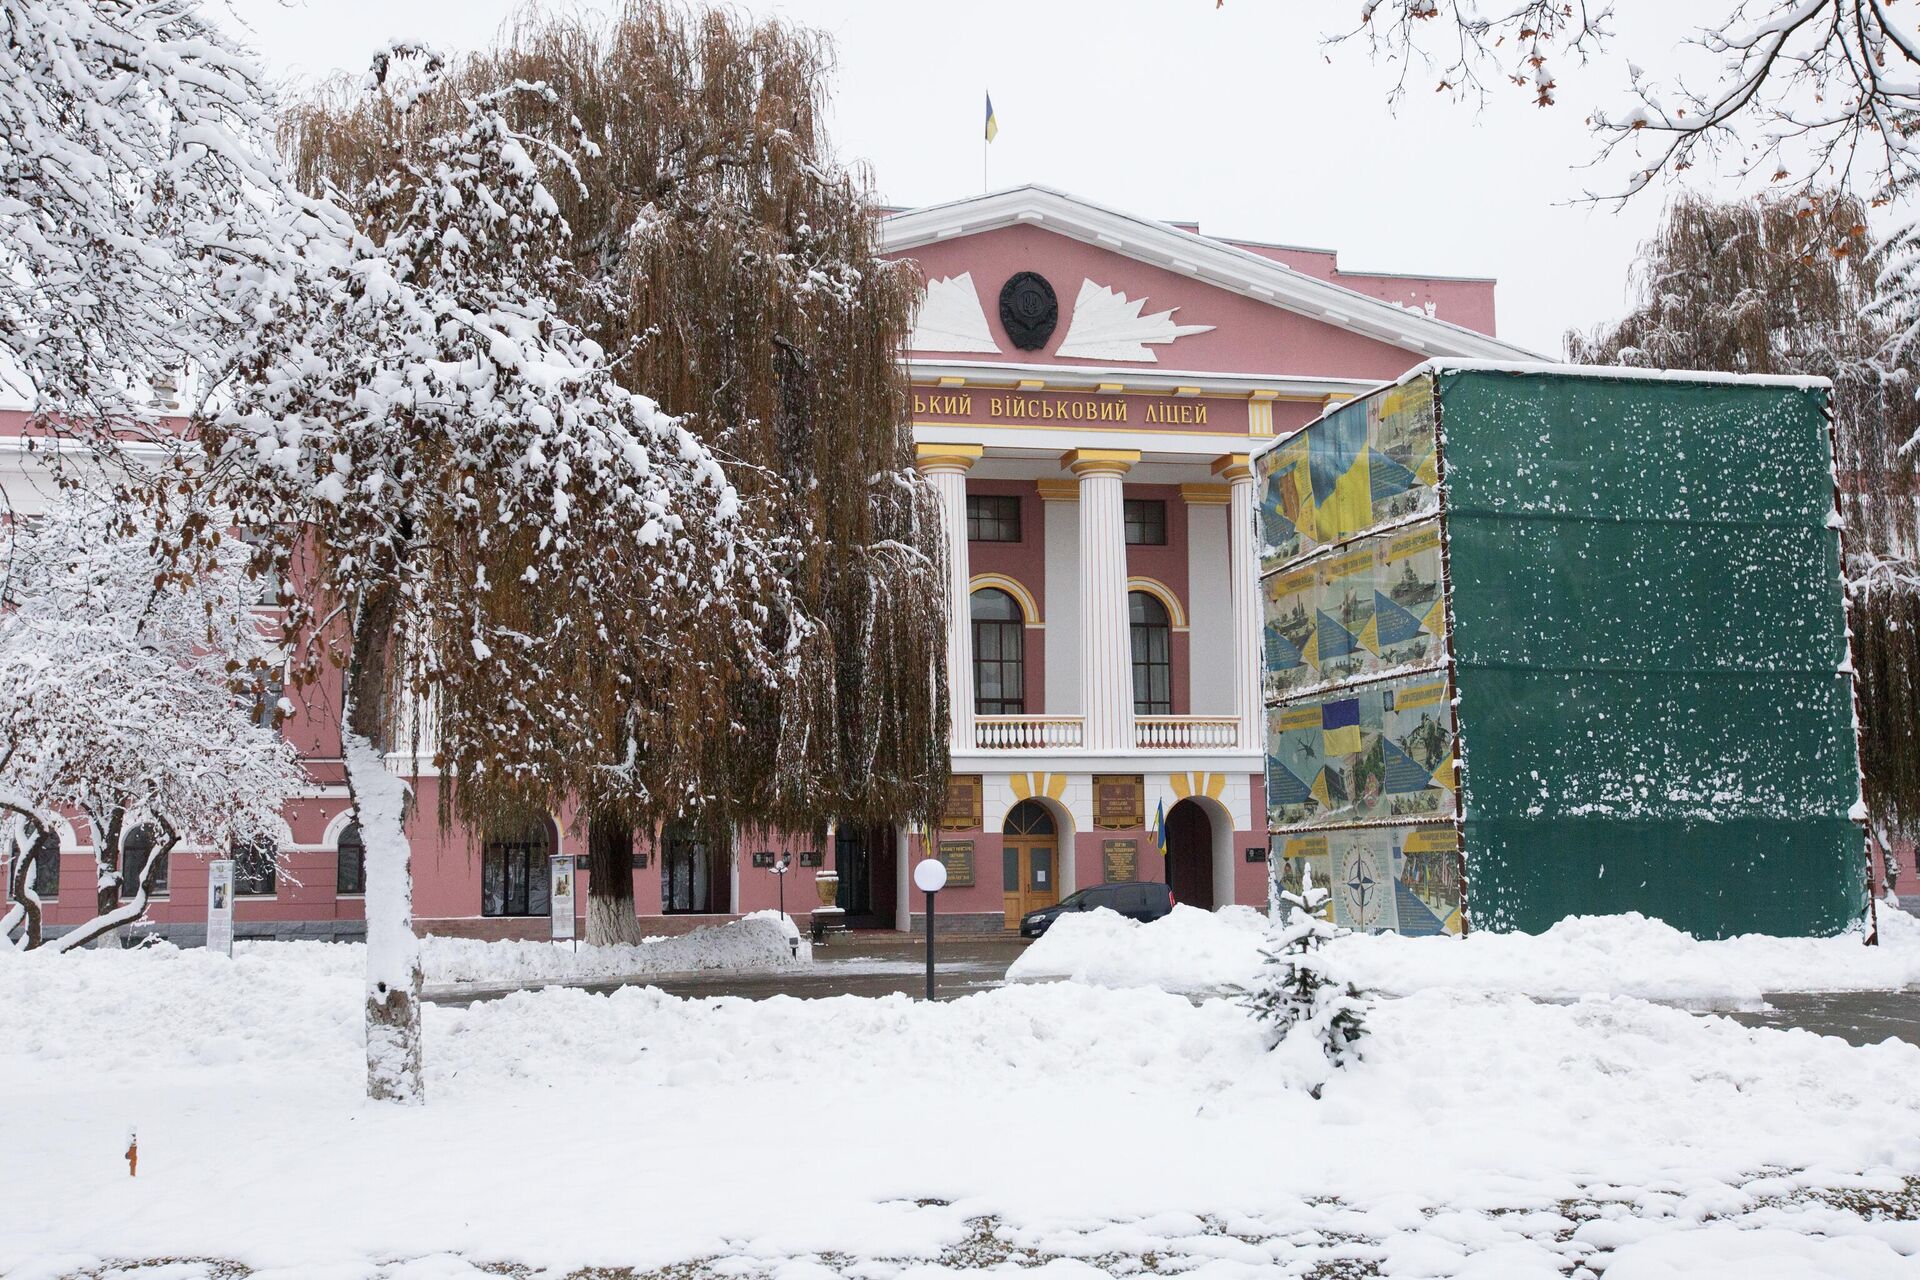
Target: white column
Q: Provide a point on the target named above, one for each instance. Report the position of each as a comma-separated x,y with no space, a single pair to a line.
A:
1245,569
946,467
1060,500
1209,601
1106,659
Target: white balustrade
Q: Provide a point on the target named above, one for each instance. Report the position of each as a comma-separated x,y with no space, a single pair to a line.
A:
1028,733
1175,733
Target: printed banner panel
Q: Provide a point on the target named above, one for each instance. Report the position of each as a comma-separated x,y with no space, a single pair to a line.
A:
1371,608
1382,879
1367,462
1384,751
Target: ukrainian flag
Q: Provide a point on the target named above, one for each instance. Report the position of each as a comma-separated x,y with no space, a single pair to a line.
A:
993,124
1160,827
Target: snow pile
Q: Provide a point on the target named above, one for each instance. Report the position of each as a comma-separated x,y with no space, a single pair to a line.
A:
1186,950
1192,950
1477,1136
758,941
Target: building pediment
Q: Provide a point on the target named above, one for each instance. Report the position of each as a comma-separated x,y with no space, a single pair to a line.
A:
1131,292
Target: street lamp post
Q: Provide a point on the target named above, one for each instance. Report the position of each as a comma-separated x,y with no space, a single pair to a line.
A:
779,869
930,877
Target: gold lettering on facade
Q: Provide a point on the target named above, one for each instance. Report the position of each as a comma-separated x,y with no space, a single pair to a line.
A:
1038,408
1180,413
952,404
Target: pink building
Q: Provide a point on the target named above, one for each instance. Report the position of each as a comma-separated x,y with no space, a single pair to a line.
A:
1087,388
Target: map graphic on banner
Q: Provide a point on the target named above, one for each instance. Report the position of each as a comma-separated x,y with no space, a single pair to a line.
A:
1361,465
1405,879
1374,607
1383,751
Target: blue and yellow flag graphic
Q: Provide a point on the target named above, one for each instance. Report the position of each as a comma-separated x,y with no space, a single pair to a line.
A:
1160,827
1340,728
993,124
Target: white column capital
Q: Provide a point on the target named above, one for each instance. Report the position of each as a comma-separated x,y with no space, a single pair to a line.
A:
946,459
1099,462
1236,468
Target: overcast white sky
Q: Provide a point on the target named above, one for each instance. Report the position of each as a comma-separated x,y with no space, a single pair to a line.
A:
1237,117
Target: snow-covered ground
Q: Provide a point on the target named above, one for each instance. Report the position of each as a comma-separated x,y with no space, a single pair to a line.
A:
1198,951
1065,1126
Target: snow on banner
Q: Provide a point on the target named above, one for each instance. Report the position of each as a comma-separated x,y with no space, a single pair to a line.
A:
1624,630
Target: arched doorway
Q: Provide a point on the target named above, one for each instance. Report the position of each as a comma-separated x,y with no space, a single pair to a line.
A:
1029,860
1190,855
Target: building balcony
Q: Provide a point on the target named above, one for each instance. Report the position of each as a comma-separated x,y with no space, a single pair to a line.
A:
1029,733
1068,733
1177,733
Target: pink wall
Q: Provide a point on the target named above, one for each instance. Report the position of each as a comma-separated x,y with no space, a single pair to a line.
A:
1463,300
1249,337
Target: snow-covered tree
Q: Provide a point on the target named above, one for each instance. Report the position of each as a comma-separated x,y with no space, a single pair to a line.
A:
728,264
131,696
138,186
497,537
1786,285
1296,995
477,513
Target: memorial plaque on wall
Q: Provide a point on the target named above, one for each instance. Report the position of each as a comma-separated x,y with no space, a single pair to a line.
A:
962,812
957,857
1121,858
764,859
1119,802
809,857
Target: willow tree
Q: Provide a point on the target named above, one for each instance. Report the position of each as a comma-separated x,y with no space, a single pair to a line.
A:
1787,285
728,266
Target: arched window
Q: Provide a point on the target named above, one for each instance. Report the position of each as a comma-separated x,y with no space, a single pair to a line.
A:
693,870
513,870
999,646
1152,637
46,866
136,847
350,862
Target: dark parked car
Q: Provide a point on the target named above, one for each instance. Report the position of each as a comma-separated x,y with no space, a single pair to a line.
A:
1134,899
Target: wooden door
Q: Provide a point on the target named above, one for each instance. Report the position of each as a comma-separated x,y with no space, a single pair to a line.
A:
1029,861
1029,875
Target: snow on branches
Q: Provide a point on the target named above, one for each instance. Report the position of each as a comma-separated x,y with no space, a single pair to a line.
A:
542,546
131,696
1299,1000
138,189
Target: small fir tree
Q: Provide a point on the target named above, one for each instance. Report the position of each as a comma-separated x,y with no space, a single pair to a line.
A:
1295,992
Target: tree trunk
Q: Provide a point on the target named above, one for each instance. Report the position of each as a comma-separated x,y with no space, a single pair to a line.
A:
610,912
106,880
109,922
25,910
379,805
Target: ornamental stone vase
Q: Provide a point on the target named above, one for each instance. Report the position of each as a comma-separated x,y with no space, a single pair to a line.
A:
827,885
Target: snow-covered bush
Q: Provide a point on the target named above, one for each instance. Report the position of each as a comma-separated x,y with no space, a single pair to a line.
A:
133,697
1296,995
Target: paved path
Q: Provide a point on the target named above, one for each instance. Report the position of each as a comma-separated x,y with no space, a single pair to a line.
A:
886,964
861,966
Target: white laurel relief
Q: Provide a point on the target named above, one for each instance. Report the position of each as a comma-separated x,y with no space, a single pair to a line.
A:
1106,326
951,318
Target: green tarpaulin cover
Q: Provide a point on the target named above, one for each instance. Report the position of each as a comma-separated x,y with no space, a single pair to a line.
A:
1648,654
